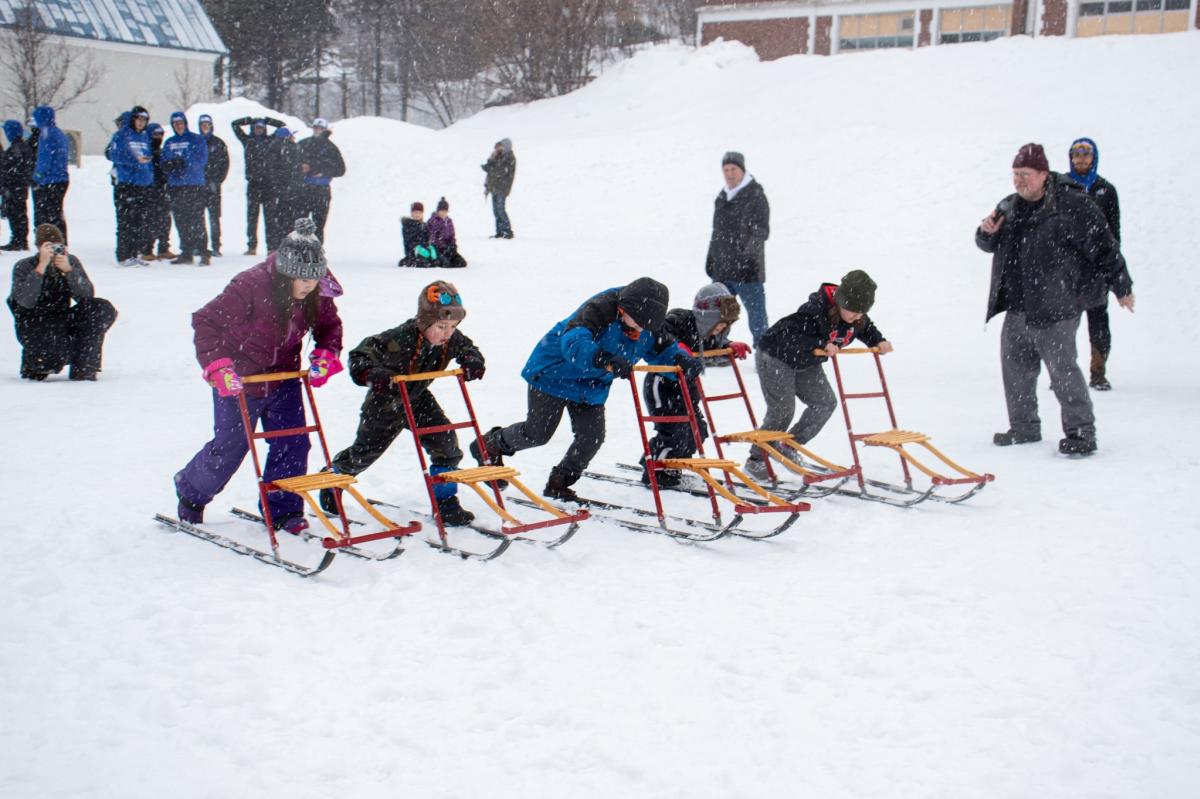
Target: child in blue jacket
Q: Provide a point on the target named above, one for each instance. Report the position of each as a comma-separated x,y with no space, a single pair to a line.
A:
572,369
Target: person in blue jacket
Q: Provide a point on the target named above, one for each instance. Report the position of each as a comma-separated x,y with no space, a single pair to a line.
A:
133,162
572,369
50,177
183,159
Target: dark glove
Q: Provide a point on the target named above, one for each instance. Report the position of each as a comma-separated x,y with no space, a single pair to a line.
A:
472,367
613,363
380,381
691,366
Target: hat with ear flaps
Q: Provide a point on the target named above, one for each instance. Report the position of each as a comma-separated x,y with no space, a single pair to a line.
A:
713,305
438,302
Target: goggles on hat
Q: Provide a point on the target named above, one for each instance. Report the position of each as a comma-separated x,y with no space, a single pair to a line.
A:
141,115
1083,148
435,295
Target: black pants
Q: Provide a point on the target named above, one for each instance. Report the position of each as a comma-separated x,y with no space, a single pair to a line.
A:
158,221
1099,333
212,204
187,205
256,198
663,397
50,342
449,258
48,206
280,218
133,206
16,202
541,420
314,202
382,419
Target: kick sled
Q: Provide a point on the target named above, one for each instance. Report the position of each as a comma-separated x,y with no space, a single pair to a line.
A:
334,538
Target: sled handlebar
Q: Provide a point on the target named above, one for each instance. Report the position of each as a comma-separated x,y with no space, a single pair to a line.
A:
271,377
649,367
426,375
718,353
849,351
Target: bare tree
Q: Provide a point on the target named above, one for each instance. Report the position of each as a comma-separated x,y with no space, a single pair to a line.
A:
191,86
37,68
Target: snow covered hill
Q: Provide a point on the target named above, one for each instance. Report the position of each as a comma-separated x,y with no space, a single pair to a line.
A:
1037,642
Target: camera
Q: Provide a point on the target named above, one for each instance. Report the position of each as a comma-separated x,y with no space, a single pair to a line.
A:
59,249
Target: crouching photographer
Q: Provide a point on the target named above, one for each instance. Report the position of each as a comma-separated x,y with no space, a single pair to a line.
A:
52,331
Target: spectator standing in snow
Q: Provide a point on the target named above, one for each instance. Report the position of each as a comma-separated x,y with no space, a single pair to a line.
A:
285,182
737,249
257,325
184,158
215,171
50,177
54,333
789,370
129,150
16,175
255,145
425,343
158,216
572,368
1084,156
320,162
1052,256
442,238
416,238
501,168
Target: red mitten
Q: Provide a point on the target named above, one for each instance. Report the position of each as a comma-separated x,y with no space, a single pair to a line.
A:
221,375
740,349
325,365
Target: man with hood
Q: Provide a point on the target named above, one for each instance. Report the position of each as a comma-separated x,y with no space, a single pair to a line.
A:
320,162
215,171
133,162
572,368
184,157
1085,161
255,146
16,175
50,177
737,249
501,168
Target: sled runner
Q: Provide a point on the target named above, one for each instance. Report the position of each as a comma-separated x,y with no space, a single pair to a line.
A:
333,539
895,439
702,467
483,480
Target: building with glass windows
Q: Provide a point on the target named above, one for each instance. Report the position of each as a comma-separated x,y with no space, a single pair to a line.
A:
827,27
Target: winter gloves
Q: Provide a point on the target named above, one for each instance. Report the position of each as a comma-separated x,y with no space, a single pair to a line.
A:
689,364
325,365
221,375
740,349
472,366
613,363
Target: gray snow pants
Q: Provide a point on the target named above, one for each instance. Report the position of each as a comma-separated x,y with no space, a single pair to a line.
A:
782,386
1023,349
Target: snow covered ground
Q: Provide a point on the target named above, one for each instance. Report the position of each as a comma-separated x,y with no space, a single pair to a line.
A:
1040,641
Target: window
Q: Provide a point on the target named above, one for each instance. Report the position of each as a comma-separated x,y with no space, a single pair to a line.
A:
860,32
975,24
1132,16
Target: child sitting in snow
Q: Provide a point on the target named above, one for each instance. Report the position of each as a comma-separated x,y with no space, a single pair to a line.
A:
442,239
425,343
417,250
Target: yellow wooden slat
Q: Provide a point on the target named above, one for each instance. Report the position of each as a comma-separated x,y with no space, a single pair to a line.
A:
271,377
312,482
418,376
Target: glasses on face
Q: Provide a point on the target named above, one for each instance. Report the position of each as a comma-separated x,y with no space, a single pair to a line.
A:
436,295
1081,149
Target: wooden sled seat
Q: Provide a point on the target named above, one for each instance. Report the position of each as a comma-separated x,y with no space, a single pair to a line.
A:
479,474
697,464
894,438
314,482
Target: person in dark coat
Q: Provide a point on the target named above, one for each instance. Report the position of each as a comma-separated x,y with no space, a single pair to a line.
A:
184,158
1085,163
425,343
52,332
285,182
789,368
320,162
215,171
416,239
50,177
572,368
443,240
256,144
713,311
1053,255
16,176
501,168
737,249
158,216
133,163
258,324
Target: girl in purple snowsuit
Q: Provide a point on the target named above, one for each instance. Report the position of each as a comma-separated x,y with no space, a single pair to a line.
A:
442,238
257,325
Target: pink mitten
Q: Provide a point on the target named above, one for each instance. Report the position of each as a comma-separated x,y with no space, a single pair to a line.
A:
325,365
220,375
740,349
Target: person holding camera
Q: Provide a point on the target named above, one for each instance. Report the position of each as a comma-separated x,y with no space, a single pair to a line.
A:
54,333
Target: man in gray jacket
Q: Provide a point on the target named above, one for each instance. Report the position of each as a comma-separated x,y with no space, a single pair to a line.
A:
52,332
1052,256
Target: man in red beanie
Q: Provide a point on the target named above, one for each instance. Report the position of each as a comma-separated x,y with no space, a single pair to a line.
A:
1052,256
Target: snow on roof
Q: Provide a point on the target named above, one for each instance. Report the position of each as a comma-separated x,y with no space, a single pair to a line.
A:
174,24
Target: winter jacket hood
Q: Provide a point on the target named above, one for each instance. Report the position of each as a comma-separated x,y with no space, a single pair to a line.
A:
126,149
13,130
813,326
52,150
1085,180
43,115
184,156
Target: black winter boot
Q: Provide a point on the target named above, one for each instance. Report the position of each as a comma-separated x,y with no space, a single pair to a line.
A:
559,485
453,513
495,452
329,501
667,478
1099,380
1075,444
1011,437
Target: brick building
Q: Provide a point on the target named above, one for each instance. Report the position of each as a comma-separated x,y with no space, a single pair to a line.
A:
824,27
